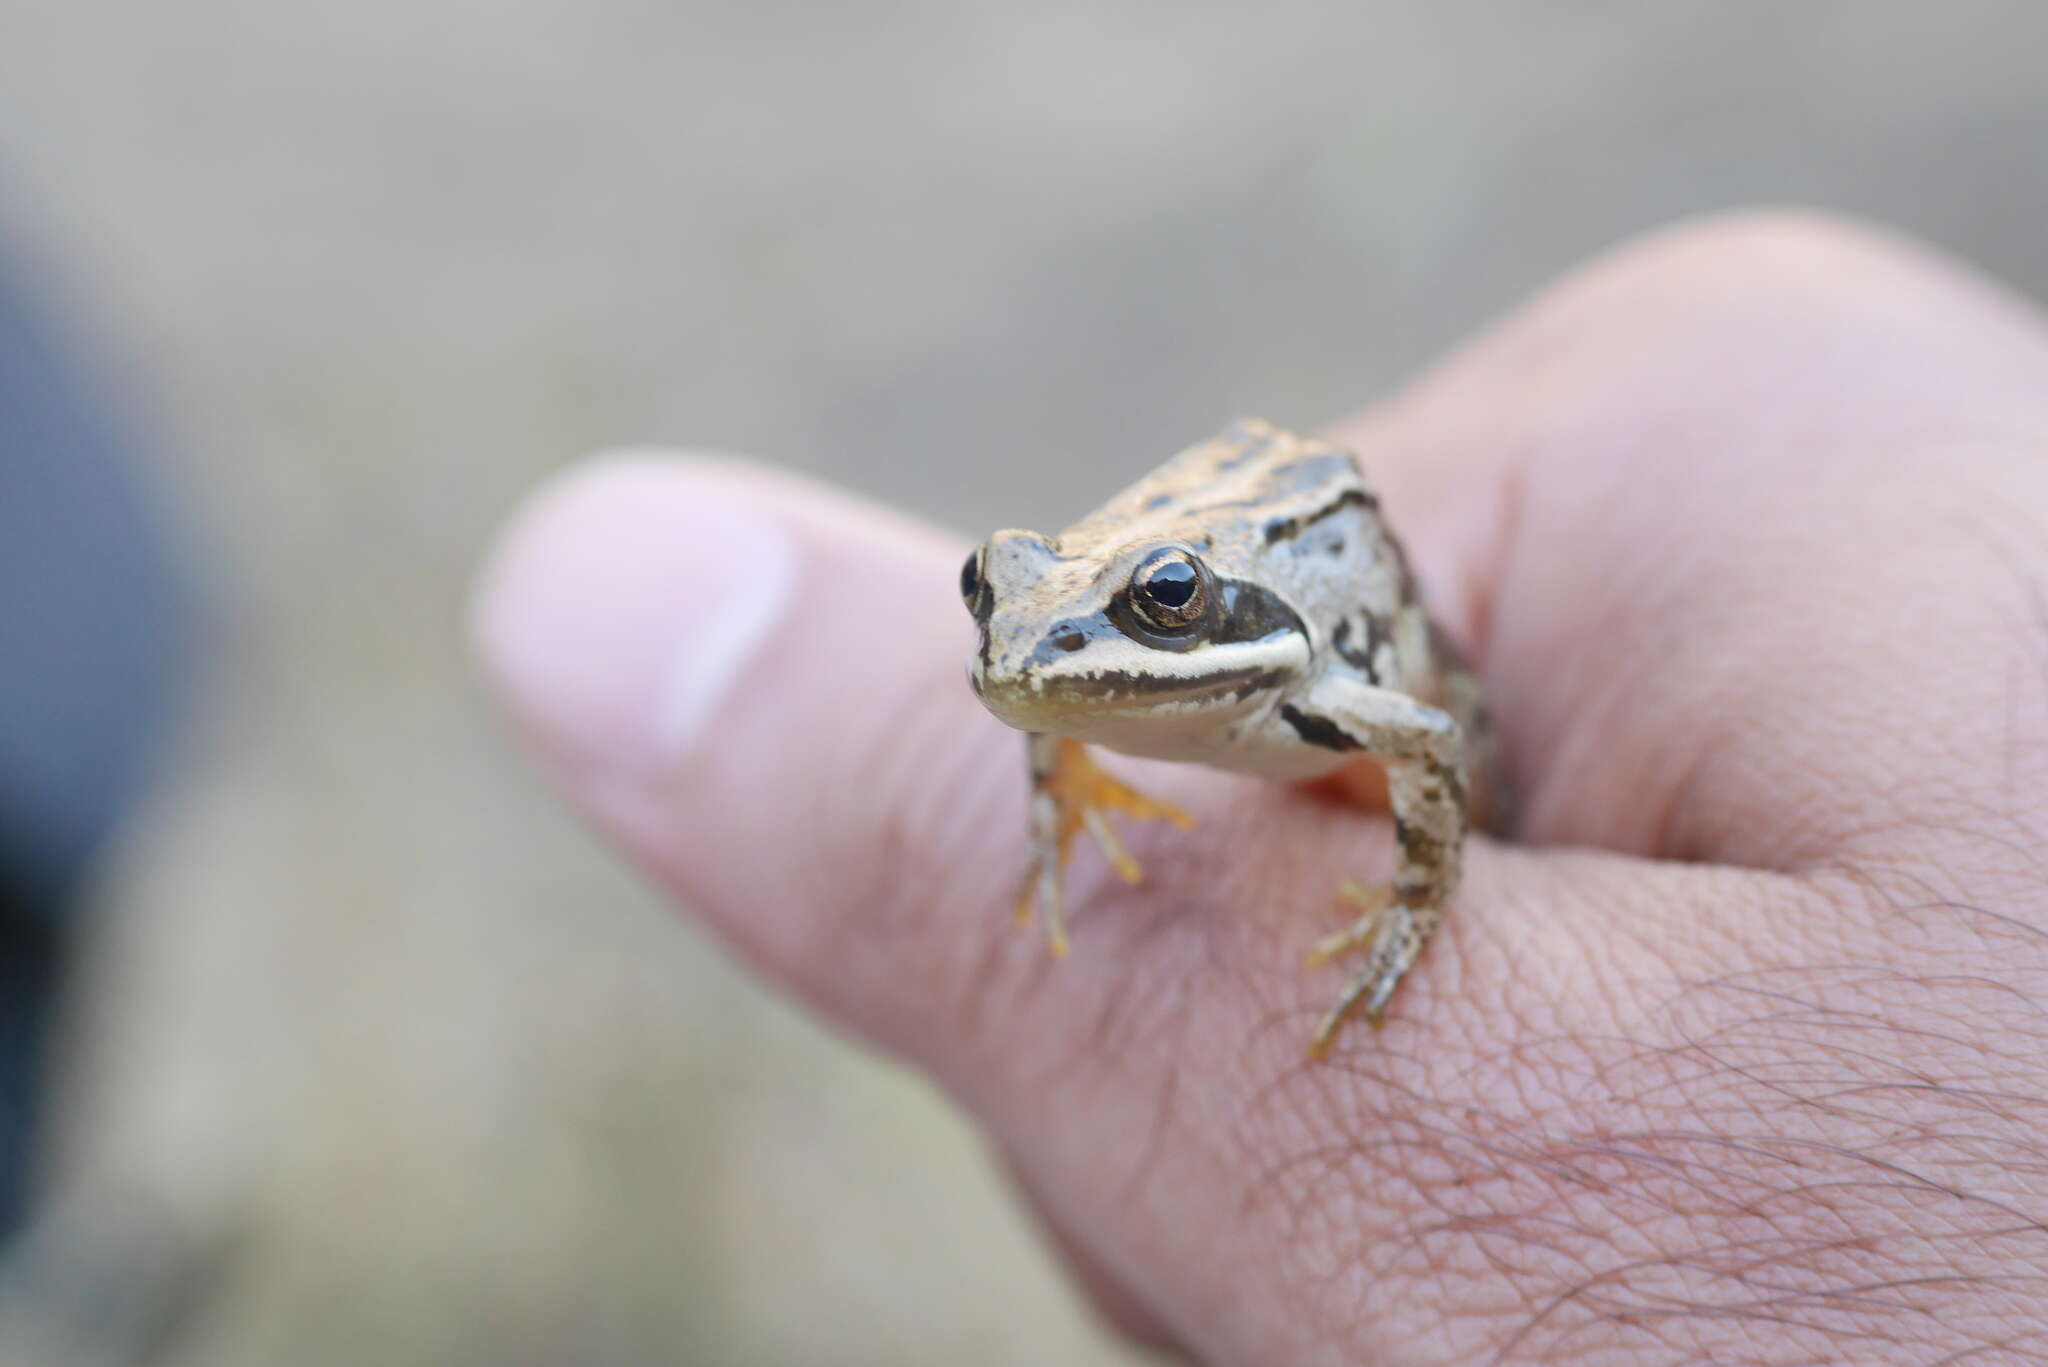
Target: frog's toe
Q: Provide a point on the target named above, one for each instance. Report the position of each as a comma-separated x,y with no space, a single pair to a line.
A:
1112,848
1370,903
1041,892
1395,943
1108,794
1332,1024
1070,794
1087,793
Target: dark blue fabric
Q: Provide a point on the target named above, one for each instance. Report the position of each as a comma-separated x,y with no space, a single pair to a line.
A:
91,630
90,613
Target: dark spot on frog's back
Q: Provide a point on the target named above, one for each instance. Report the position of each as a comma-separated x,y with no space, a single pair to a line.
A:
1359,655
1287,528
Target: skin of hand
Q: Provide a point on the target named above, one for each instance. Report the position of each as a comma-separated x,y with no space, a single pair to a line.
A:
1739,1054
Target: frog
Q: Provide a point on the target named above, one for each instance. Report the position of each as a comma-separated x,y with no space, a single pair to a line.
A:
1245,606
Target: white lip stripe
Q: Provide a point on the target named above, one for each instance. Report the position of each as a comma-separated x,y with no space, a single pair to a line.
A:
1119,656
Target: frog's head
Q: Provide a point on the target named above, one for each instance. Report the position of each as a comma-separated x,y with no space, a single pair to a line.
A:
1125,646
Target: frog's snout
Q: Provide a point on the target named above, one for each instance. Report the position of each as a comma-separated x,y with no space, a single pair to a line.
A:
1014,559
1004,585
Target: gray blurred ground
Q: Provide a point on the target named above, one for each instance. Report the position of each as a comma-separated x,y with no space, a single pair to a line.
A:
430,1080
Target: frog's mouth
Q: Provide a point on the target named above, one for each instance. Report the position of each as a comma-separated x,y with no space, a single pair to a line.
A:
1113,680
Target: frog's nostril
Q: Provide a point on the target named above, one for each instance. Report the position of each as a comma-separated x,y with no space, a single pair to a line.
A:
1070,640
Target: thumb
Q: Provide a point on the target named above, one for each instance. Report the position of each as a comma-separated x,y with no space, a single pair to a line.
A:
754,684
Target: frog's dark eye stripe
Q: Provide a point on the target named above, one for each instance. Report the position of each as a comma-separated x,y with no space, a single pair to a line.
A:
1252,613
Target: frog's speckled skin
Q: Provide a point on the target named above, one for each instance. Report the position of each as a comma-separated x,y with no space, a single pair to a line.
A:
1310,650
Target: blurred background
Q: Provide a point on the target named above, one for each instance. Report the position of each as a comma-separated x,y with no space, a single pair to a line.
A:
369,1054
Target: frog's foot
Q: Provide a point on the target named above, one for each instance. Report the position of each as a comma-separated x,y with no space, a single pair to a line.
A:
1394,932
1069,793
1370,903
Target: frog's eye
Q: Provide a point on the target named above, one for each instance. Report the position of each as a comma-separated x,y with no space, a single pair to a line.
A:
1169,590
970,578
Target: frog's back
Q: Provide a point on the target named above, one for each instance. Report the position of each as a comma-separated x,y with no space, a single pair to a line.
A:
1267,506
1252,484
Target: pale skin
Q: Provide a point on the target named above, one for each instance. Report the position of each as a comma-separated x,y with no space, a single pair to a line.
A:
1737,1057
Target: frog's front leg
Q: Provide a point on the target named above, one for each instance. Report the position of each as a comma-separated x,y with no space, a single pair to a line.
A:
1423,753
1069,792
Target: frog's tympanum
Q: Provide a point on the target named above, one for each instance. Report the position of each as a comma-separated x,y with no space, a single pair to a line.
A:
1243,606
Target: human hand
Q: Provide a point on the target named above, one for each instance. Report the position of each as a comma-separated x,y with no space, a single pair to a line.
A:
1742,1057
